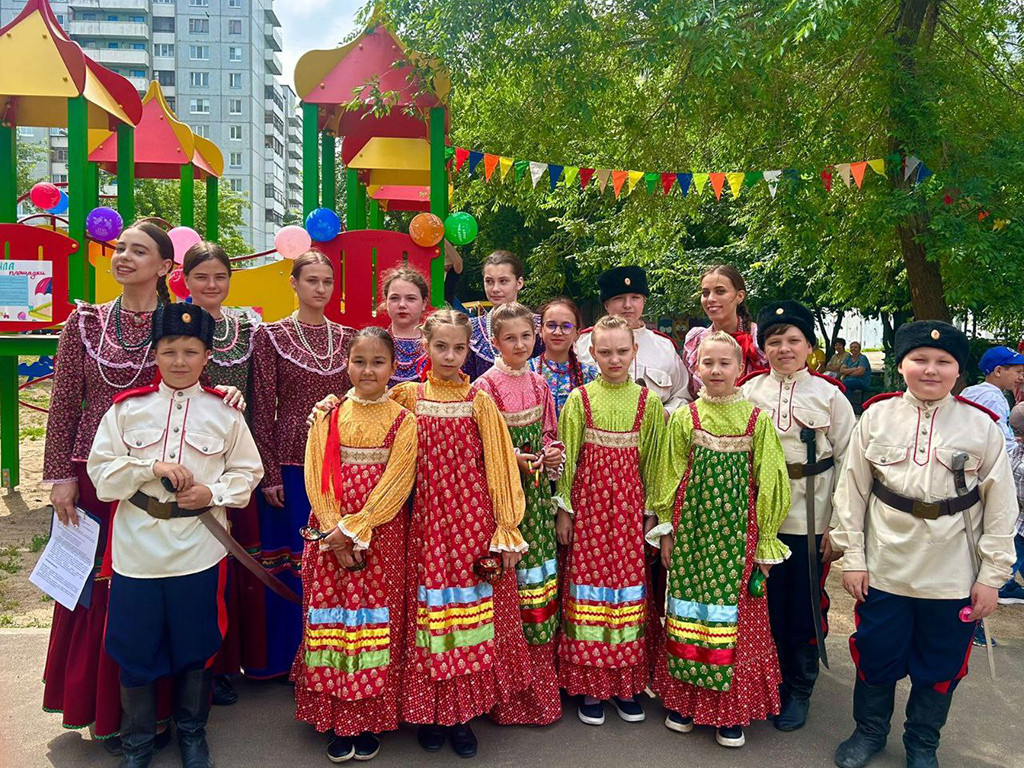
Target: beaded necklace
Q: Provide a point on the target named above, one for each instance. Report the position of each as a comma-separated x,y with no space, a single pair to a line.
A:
115,311
318,359
228,327
405,368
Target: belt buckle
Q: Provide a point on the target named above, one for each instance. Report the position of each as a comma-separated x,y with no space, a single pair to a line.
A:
927,510
162,510
795,471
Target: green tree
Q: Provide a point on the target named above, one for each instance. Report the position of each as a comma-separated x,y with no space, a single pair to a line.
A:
161,198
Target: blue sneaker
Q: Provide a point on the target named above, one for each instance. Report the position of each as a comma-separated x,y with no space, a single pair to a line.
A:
730,736
676,722
979,637
1012,594
591,714
630,711
341,749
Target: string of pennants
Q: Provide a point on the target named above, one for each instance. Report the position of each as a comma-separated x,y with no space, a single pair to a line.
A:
852,173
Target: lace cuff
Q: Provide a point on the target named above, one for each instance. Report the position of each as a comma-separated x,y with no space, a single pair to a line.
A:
561,503
771,551
508,540
358,529
654,535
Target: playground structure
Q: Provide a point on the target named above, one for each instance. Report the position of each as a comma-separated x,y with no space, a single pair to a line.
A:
394,158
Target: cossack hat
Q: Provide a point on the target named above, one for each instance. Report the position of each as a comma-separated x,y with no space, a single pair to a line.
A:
183,320
619,280
786,313
931,333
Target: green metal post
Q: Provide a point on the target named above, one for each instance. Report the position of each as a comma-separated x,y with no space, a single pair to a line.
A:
188,195
126,172
355,198
328,169
438,198
78,159
310,160
8,175
376,215
212,210
92,183
9,428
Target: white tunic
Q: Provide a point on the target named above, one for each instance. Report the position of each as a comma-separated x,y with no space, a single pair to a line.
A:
803,400
909,445
657,363
191,427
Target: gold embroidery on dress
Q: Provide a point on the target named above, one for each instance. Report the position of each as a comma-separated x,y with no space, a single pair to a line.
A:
723,443
612,439
453,410
365,456
524,418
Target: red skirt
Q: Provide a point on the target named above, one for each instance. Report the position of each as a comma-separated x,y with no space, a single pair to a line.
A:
541,703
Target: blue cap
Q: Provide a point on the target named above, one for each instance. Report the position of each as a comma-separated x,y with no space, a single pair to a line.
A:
999,356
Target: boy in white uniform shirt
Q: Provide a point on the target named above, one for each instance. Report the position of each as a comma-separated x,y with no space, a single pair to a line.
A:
166,613
804,406
922,465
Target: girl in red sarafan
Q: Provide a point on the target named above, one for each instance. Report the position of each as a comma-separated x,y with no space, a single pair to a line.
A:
465,649
611,428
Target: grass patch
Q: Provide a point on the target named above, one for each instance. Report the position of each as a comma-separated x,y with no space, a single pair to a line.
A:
39,542
31,433
6,621
10,559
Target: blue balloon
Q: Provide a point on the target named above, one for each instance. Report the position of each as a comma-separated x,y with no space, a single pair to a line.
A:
62,206
323,224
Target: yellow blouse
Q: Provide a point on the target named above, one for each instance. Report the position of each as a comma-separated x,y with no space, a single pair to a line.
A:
502,471
363,425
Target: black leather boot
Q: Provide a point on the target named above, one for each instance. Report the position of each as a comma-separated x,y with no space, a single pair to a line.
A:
872,709
926,714
191,711
799,684
138,725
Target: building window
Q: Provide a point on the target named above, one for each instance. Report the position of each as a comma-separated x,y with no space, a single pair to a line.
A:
199,52
171,102
234,80
235,133
199,3
235,159
235,106
137,73
164,50
163,23
234,26
199,26
165,77
234,53
236,185
59,178
199,106
202,130
199,79
234,3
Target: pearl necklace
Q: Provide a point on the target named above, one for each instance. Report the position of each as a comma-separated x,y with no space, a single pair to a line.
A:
227,332
483,323
318,359
100,361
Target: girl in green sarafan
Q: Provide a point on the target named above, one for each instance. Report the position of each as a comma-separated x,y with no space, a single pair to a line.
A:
722,492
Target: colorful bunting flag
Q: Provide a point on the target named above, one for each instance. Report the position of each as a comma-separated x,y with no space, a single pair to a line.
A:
826,178
519,169
667,180
603,175
750,178
651,181
877,165
536,171
490,163
570,174
717,184
554,174
586,174
700,180
843,169
474,160
857,171
910,166
684,179
634,179
506,165
618,179
735,182
772,177
460,158
924,172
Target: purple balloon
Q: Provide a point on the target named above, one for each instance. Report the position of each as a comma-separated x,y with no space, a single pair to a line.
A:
103,224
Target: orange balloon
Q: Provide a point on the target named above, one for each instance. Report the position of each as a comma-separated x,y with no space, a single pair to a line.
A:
426,229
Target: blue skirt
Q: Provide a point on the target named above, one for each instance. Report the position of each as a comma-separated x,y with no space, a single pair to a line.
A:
282,547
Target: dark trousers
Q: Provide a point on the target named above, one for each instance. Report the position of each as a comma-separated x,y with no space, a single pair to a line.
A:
164,626
898,636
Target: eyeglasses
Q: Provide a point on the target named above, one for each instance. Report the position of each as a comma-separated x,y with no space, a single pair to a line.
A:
565,328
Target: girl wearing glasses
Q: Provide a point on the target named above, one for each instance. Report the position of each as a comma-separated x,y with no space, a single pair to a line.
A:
560,322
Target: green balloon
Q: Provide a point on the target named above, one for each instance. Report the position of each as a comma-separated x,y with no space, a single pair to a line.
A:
460,228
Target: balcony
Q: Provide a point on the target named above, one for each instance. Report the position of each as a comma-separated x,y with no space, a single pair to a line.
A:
141,84
270,17
110,57
273,63
110,5
123,30
294,151
273,35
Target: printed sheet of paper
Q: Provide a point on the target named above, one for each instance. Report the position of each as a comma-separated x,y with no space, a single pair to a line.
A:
67,562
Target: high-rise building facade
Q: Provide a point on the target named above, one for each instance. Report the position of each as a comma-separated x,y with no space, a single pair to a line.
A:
219,64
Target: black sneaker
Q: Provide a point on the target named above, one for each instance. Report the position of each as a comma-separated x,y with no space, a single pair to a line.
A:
341,749
676,722
431,737
630,711
463,740
730,736
224,694
591,714
367,746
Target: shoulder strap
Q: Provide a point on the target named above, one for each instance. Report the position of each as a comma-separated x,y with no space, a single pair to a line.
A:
640,408
694,416
752,422
389,439
586,408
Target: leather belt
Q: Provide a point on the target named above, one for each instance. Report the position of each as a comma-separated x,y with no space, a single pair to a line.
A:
163,510
800,471
927,510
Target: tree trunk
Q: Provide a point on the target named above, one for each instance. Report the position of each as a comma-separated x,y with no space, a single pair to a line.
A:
913,29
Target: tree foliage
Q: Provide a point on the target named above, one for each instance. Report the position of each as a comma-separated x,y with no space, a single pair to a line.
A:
161,198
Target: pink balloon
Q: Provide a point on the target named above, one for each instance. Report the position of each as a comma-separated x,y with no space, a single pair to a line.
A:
176,282
292,241
183,239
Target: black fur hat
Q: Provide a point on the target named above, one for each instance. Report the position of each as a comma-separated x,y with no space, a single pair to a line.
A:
183,320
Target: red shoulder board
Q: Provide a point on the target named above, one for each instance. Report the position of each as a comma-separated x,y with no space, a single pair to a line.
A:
587,330
214,392
752,375
981,408
120,397
878,398
830,380
663,335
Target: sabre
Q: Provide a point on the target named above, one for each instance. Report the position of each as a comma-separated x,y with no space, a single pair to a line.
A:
809,437
960,481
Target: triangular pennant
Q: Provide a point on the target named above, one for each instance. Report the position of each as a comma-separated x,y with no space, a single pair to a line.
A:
554,174
570,174
490,163
924,172
667,180
603,174
519,168
735,182
684,179
505,163
877,165
460,158
651,182
772,177
750,178
910,165
634,179
536,171
857,171
826,178
474,160
843,171
586,174
618,179
717,184
700,180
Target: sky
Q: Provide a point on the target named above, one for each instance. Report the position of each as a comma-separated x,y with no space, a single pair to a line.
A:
309,24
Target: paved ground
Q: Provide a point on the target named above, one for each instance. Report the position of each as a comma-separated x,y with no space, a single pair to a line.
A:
985,729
